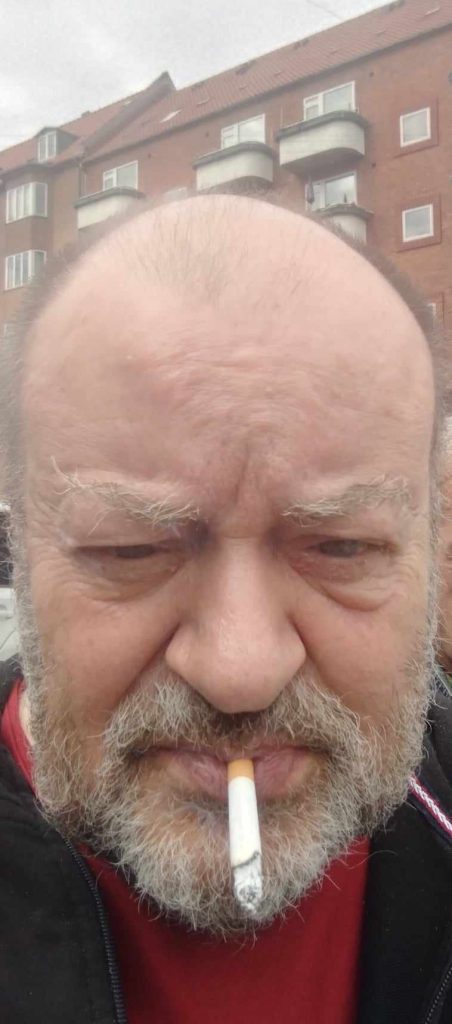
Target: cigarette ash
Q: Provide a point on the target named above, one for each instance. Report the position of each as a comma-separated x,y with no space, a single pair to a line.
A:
248,883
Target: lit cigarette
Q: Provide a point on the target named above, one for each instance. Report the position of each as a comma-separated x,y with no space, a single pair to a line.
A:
244,835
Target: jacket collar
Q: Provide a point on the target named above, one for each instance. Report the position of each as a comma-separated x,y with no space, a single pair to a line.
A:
407,930
407,934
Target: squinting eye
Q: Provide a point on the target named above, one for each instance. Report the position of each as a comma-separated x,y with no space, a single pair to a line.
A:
343,548
134,551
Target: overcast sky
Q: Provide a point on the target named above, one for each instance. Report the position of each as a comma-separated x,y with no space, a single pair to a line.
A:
61,57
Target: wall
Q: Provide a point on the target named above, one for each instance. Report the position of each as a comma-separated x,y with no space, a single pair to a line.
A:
391,83
389,178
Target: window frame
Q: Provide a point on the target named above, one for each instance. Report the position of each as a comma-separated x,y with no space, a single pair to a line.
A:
237,125
407,239
422,138
16,197
114,171
436,305
44,139
30,274
324,181
320,98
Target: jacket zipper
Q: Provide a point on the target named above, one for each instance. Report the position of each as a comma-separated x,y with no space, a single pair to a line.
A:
118,999
440,992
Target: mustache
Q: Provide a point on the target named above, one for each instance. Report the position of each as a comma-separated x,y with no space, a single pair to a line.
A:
165,711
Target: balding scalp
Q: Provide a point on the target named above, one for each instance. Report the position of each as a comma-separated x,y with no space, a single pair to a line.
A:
198,248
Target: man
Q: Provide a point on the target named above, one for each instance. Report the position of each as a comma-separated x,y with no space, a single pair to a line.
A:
222,425
445,561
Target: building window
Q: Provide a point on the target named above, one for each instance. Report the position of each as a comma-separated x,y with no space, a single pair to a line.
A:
28,200
436,306
417,223
415,127
125,176
47,146
342,97
333,191
21,267
252,130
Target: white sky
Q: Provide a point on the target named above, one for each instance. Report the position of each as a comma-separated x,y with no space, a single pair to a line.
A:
61,57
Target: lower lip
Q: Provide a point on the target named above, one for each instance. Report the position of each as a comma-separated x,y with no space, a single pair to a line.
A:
276,773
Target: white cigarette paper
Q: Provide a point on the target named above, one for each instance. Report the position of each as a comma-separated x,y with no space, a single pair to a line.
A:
244,835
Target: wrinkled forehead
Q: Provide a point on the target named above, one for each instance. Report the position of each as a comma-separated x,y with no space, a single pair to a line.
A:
251,329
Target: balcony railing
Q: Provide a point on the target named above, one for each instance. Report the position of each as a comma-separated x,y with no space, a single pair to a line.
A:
247,162
351,218
99,206
323,143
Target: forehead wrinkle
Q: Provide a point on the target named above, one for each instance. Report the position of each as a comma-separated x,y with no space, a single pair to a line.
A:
382,490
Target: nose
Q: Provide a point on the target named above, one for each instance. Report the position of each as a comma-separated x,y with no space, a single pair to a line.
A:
236,644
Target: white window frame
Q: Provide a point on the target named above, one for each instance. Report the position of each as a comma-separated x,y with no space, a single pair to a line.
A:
421,138
16,201
321,185
47,146
113,173
318,99
410,209
234,129
16,260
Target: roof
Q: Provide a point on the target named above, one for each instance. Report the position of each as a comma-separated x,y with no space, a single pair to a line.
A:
16,156
86,127
394,24
387,26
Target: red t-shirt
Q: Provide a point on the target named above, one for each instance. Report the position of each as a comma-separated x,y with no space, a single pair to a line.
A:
303,968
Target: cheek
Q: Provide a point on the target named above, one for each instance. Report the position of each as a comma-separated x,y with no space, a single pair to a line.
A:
363,657
100,649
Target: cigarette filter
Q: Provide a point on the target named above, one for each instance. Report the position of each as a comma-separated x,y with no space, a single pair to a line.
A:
244,835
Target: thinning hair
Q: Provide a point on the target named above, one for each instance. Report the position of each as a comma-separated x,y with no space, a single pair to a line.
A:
173,256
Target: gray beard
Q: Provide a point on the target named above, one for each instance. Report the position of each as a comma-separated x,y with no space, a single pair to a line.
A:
123,814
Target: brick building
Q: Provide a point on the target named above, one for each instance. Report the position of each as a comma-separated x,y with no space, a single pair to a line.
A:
355,121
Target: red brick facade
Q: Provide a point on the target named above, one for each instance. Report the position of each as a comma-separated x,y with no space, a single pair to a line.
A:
414,72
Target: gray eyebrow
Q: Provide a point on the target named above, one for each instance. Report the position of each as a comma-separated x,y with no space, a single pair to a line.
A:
358,496
161,512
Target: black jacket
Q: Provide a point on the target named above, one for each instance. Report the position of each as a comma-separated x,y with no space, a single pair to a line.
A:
57,960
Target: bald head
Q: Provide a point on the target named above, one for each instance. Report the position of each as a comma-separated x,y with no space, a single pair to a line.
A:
221,249
221,297
277,286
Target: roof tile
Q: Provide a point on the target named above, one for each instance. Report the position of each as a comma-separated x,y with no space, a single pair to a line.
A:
393,24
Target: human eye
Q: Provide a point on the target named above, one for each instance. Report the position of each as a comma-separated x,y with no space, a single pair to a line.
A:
133,551
130,562
339,559
125,552
347,548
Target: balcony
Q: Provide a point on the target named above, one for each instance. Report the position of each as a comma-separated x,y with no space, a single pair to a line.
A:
323,143
349,217
93,209
247,162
